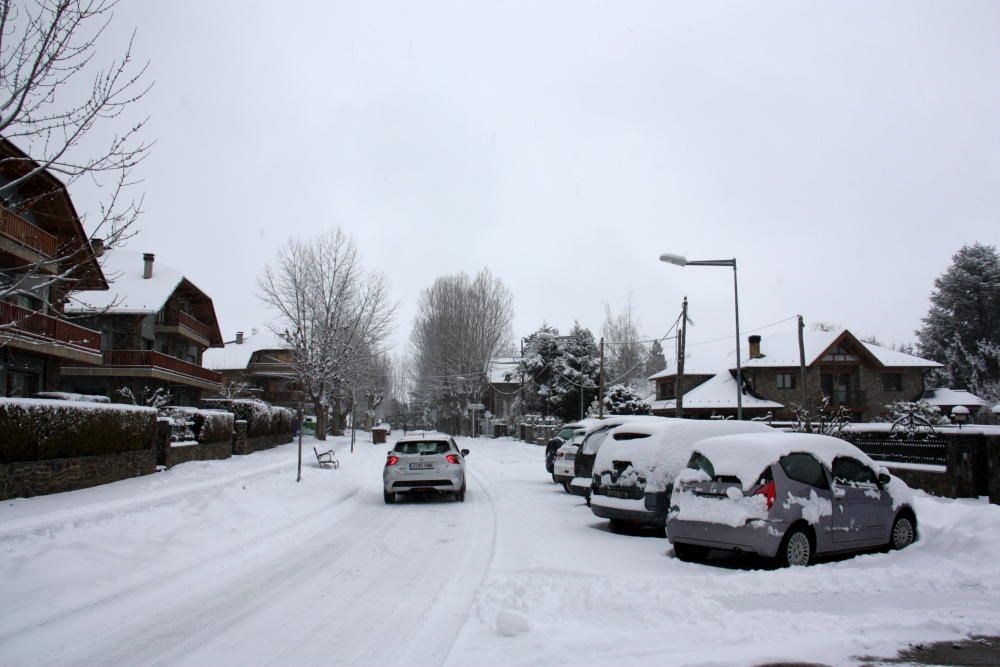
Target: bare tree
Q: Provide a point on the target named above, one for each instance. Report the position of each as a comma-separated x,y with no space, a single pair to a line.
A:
55,101
626,353
330,311
461,324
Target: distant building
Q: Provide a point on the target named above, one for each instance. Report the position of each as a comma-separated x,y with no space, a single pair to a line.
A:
155,326
45,256
503,388
860,378
259,361
947,400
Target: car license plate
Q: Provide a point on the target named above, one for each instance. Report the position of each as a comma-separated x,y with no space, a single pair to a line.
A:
421,466
618,493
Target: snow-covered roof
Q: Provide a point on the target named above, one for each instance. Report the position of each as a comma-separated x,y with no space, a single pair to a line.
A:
237,355
719,391
130,293
781,349
501,366
949,397
692,366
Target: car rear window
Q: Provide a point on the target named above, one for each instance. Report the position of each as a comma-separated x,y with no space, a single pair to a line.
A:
698,461
630,436
422,447
805,469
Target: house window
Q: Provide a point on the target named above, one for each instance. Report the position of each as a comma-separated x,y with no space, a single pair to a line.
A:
840,354
786,380
892,382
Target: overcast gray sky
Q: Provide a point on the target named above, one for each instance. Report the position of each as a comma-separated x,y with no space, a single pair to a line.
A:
841,151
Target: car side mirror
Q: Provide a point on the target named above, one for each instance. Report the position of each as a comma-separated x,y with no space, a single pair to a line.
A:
883,476
465,452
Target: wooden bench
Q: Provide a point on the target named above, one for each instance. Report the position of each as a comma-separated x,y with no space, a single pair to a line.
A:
326,458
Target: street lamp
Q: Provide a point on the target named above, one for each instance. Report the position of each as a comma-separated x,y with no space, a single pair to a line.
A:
680,260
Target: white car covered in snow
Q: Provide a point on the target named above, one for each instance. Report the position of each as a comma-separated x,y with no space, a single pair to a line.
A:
565,460
635,468
787,496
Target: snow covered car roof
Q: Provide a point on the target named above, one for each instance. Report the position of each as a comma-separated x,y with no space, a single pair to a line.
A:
667,445
423,435
745,456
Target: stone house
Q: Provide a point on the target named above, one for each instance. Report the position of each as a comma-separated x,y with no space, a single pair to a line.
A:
45,256
155,325
841,372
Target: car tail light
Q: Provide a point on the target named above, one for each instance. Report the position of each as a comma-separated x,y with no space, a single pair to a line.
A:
453,458
391,461
768,491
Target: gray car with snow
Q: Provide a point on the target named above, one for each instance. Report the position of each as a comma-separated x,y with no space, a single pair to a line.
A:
634,470
424,463
787,496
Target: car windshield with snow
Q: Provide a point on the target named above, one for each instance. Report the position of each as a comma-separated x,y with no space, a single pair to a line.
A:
786,496
424,463
634,469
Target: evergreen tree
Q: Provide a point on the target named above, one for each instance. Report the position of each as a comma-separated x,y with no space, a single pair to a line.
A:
621,399
542,349
962,326
578,371
655,361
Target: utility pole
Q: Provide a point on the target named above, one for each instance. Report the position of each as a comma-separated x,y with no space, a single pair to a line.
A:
802,377
298,477
600,391
679,377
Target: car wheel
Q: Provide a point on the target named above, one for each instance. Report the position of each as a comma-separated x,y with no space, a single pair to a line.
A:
903,532
554,478
690,553
796,549
566,487
460,494
388,497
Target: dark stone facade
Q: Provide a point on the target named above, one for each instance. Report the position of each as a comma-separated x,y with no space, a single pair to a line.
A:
33,478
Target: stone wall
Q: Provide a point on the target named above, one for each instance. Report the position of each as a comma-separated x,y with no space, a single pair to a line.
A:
934,483
33,478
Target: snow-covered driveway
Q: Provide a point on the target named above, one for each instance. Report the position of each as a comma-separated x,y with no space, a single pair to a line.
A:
233,563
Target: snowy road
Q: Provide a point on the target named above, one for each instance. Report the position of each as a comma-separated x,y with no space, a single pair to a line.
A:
232,563
207,573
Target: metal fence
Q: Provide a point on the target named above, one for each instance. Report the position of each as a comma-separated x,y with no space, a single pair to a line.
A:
931,450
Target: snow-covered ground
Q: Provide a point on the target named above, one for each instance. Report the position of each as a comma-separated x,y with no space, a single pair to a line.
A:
233,563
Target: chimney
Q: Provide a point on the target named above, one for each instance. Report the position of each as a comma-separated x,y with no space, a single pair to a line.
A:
755,347
239,338
97,245
147,265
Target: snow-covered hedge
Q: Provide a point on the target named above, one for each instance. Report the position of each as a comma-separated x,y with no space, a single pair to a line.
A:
261,417
36,429
205,426
68,396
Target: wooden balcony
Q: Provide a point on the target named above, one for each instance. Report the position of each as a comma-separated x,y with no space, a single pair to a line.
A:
33,331
28,242
152,364
180,323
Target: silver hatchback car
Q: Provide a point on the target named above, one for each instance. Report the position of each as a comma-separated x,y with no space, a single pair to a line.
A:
787,496
424,463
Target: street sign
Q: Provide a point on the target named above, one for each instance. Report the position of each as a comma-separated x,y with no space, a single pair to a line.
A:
475,407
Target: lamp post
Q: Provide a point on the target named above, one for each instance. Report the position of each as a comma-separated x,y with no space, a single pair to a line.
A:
680,260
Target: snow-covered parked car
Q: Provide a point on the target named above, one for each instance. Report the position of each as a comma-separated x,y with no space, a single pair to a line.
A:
424,463
788,496
562,466
635,468
560,439
596,436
